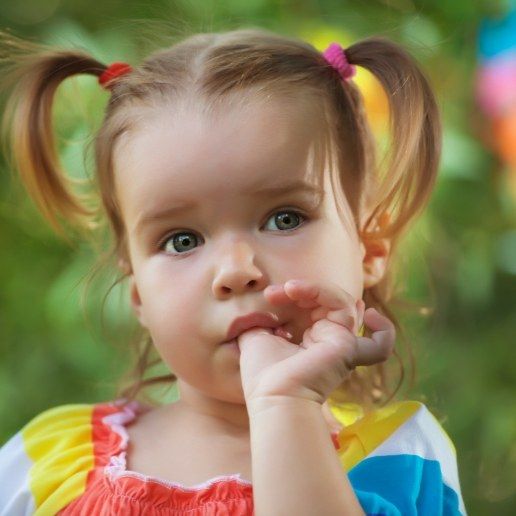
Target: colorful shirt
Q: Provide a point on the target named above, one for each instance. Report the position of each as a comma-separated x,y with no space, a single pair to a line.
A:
71,459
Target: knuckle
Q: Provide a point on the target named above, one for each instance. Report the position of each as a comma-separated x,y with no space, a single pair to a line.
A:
385,355
390,325
387,349
343,317
349,363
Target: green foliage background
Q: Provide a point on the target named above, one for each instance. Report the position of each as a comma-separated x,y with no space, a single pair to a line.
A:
461,255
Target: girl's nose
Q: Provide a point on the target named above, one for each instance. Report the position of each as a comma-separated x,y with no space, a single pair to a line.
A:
236,270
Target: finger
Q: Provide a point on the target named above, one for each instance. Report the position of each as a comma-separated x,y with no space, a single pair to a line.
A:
276,294
350,317
307,294
379,347
344,318
298,294
318,295
377,321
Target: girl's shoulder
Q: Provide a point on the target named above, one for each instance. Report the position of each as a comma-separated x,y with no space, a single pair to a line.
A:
408,424
405,439
46,463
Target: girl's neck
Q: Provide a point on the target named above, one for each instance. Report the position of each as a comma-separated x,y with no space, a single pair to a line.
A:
221,417
218,415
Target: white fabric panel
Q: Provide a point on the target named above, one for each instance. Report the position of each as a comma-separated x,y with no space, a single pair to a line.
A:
15,496
422,435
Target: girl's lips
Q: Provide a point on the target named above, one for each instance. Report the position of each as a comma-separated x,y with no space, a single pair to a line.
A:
243,323
279,331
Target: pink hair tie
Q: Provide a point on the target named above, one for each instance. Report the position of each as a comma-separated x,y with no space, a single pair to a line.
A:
336,56
113,71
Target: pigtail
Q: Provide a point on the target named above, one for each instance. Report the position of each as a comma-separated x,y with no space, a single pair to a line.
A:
399,188
34,72
415,129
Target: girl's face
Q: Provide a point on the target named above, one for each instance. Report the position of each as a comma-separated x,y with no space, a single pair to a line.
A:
207,234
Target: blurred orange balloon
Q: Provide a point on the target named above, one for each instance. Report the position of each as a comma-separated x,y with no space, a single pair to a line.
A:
504,132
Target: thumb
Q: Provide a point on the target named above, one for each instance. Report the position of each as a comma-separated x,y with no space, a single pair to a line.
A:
247,336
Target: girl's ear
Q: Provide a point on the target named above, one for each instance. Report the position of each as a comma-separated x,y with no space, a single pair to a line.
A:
124,266
375,255
136,302
134,295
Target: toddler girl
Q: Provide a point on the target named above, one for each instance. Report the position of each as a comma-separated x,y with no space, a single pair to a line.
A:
251,150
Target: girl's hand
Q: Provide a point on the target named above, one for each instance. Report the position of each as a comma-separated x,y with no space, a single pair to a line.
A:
271,365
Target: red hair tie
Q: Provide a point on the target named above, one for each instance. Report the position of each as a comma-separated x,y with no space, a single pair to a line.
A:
113,71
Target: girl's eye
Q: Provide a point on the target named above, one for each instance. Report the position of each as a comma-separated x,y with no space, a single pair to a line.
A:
180,241
285,218
183,241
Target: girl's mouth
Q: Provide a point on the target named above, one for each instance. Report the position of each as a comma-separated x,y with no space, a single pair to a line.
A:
280,331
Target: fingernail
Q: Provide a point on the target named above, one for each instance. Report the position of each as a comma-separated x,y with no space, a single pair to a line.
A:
282,332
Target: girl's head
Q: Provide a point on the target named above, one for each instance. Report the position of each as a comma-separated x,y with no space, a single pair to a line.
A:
229,162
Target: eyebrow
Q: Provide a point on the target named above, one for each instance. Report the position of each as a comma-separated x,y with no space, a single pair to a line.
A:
270,191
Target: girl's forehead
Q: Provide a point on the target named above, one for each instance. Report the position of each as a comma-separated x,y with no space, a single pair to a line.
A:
185,153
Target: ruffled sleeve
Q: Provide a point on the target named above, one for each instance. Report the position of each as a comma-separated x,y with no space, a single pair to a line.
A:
46,463
400,461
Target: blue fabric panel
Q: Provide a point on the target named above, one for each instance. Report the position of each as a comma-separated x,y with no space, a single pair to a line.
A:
403,485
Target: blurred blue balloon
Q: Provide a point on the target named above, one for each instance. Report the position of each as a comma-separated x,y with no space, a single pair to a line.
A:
497,35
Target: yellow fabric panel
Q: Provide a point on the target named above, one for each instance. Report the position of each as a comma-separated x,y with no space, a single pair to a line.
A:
59,442
346,413
360,438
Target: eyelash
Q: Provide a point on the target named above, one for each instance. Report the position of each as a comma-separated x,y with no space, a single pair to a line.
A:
161,243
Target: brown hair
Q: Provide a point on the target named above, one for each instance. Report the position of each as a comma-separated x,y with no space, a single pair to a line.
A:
391,193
